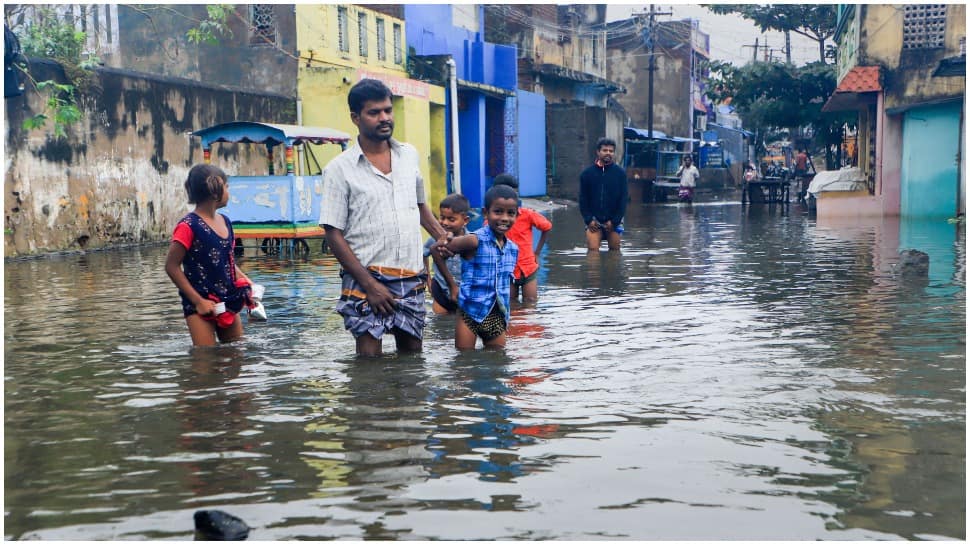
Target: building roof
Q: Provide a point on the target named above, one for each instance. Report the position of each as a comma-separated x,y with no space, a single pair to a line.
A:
850,93
861,79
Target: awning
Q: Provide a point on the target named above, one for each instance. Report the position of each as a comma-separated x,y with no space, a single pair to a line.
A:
634,132
951,66
271,134
561,72
490,90
856,89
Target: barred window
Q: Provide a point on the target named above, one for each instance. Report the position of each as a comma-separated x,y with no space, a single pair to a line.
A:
381,41
362,32
923,25
262,24
398,52
343,41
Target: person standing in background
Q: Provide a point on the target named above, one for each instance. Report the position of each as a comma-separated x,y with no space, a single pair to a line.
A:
603,197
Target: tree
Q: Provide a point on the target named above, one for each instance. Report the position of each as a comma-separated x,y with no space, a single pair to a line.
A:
52,37
774,95
814,21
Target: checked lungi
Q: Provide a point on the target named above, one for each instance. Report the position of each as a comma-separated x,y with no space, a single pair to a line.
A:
406,286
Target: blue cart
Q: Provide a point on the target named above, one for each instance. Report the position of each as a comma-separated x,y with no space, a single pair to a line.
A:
281,210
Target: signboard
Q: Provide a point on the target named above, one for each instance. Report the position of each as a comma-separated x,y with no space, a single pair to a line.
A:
712,157
399,86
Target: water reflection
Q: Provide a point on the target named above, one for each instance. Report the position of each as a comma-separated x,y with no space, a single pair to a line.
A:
732,373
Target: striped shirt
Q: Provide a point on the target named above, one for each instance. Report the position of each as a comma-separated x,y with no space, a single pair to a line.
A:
377,213
486,278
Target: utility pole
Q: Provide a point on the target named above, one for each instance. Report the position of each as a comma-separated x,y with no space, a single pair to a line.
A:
754,51
650,39
788,46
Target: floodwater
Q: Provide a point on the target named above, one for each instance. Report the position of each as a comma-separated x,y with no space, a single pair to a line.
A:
735,373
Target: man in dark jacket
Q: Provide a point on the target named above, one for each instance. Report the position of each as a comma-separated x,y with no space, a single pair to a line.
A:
603,197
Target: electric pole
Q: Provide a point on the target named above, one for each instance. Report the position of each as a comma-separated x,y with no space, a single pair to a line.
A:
650,40
788,47
754,51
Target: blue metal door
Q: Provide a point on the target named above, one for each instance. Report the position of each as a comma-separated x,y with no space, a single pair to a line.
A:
929,178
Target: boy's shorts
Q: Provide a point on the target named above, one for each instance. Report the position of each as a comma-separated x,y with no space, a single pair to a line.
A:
408,290
493,326
519,282
441,297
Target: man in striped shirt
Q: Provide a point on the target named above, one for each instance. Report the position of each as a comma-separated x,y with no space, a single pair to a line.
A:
373,210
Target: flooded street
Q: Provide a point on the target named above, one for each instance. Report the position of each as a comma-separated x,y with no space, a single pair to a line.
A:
734,373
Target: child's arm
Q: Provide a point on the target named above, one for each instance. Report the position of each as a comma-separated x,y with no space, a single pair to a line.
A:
542,242
544,225
173,266
442,265
466,245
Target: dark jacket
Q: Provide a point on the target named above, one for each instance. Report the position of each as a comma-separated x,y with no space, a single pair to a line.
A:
603,194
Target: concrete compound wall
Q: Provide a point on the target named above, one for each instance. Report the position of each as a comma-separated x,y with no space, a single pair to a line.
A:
117,178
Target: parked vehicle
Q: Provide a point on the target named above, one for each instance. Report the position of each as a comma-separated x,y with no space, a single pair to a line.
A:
281,210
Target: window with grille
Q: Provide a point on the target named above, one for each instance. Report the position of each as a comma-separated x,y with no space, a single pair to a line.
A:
381,41
924,26
362,33
343,41
262,24
398,53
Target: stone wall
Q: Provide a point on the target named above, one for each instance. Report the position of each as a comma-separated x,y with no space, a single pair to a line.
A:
117,178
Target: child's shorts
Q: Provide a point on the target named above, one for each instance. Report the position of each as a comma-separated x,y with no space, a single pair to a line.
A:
519,282
441,297
493,326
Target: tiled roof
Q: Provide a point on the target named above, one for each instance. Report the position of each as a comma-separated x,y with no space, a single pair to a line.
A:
861,79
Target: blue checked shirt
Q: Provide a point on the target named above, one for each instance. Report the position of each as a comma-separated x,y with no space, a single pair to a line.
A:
486,278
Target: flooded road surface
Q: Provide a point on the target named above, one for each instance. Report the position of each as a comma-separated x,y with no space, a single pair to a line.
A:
736,373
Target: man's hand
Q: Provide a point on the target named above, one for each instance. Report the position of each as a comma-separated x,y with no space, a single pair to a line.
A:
380,299
594,225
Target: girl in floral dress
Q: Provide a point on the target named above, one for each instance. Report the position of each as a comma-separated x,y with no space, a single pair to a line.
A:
200,262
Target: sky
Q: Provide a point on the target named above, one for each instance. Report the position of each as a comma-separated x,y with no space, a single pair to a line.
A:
728,32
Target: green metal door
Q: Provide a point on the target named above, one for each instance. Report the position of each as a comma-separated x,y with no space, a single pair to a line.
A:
929,177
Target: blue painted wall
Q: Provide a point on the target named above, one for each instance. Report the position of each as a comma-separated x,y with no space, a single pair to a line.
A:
929,180
531,143
471,128
431,32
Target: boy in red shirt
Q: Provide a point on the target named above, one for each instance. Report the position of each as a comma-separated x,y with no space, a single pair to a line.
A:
527,267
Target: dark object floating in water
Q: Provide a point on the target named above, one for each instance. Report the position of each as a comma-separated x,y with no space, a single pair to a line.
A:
215,525
913,263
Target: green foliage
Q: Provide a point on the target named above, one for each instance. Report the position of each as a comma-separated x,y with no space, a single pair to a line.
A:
212,27
49,36
774,95
814,21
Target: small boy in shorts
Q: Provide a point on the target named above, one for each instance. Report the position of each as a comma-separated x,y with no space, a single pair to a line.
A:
527,268
453,216
488,260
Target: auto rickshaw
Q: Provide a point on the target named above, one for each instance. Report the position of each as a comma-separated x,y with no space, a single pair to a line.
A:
281,210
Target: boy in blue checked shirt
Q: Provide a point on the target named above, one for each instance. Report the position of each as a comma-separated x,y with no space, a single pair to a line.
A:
487,264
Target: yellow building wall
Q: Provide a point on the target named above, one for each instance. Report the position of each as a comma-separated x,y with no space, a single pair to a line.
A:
327,74
883,31
317,38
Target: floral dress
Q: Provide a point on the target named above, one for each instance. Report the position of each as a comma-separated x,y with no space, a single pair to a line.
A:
208,264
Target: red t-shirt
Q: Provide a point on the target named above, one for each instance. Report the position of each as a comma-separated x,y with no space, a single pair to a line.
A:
521,234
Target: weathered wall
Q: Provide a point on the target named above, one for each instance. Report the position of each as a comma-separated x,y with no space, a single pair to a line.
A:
117,177
671,91
908,74
572,132
152,39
